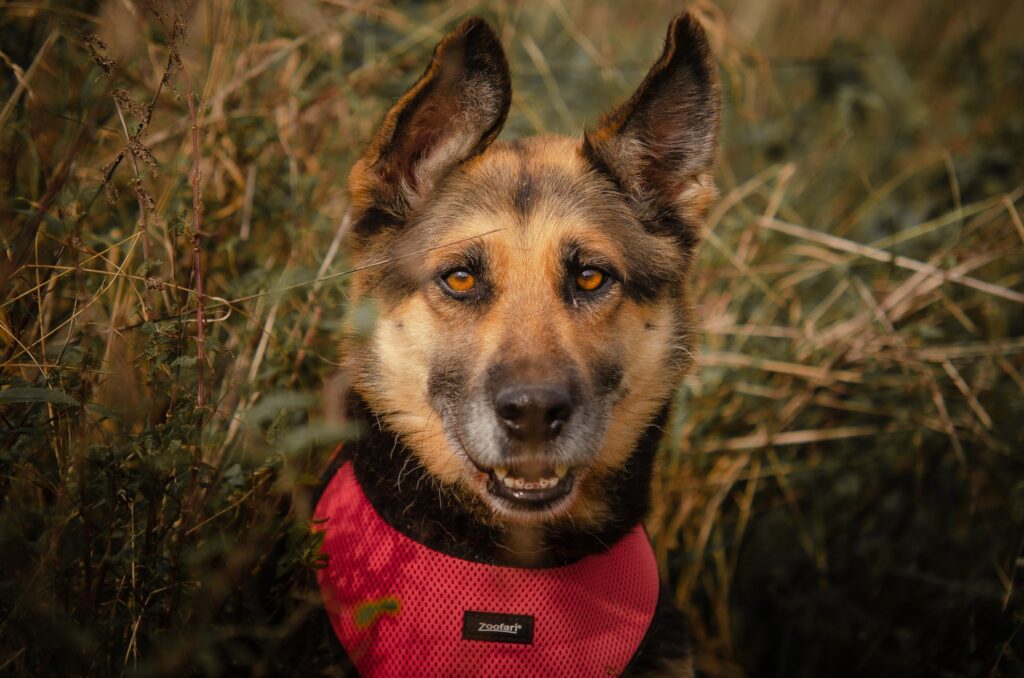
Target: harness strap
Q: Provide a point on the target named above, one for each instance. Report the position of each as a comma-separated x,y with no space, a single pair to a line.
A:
402,609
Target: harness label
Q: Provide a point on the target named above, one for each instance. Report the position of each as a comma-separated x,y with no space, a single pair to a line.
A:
498,628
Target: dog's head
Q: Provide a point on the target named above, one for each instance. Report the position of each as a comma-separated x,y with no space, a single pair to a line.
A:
532,297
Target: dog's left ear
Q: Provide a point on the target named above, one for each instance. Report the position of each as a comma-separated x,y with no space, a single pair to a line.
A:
453,112
659,146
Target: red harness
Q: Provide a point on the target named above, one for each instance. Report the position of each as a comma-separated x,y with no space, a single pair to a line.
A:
403,609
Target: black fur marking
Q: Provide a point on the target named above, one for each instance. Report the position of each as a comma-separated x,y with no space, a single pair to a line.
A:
607,378
445,383
597,162
373,221
407,497
644,285
525,193
644,282
667,222
393,281
523,197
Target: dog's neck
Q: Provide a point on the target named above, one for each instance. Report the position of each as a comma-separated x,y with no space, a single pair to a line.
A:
410,500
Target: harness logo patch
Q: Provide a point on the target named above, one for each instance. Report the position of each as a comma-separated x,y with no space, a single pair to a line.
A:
497,628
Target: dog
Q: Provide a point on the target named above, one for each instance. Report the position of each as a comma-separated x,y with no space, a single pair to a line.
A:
532,304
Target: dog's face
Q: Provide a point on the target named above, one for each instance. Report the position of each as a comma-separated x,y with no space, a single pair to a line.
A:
531,296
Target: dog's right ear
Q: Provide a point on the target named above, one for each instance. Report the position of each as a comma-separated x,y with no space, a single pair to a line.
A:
452,113
659,146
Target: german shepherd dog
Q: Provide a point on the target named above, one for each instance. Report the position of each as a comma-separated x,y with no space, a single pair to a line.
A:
533,310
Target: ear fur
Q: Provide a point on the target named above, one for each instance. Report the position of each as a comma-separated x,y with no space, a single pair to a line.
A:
452,113
659,146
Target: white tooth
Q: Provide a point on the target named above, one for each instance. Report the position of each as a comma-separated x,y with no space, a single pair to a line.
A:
552,481
508,482
520,484
501,472
544,483
561,470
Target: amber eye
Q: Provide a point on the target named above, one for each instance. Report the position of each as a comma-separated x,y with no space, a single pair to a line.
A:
589,279
460,281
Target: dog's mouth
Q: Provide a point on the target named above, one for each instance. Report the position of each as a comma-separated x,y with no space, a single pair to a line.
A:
532,488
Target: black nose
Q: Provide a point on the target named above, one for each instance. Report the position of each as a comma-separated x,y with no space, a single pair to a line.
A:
533,413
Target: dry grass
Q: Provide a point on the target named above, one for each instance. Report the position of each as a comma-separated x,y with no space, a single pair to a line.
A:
842,488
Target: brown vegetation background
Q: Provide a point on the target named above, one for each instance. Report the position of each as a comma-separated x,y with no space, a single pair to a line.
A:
842,488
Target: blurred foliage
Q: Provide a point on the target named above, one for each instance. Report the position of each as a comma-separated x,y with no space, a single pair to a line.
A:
842,489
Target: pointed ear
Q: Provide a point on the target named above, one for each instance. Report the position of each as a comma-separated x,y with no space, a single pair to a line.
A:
659,146
453,112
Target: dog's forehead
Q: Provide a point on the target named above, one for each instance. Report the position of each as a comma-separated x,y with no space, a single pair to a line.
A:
535,187
528,205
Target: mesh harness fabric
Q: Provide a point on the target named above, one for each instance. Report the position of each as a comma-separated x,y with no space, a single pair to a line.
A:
400,608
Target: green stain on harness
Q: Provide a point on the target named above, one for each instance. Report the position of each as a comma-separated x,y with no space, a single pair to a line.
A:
368,612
